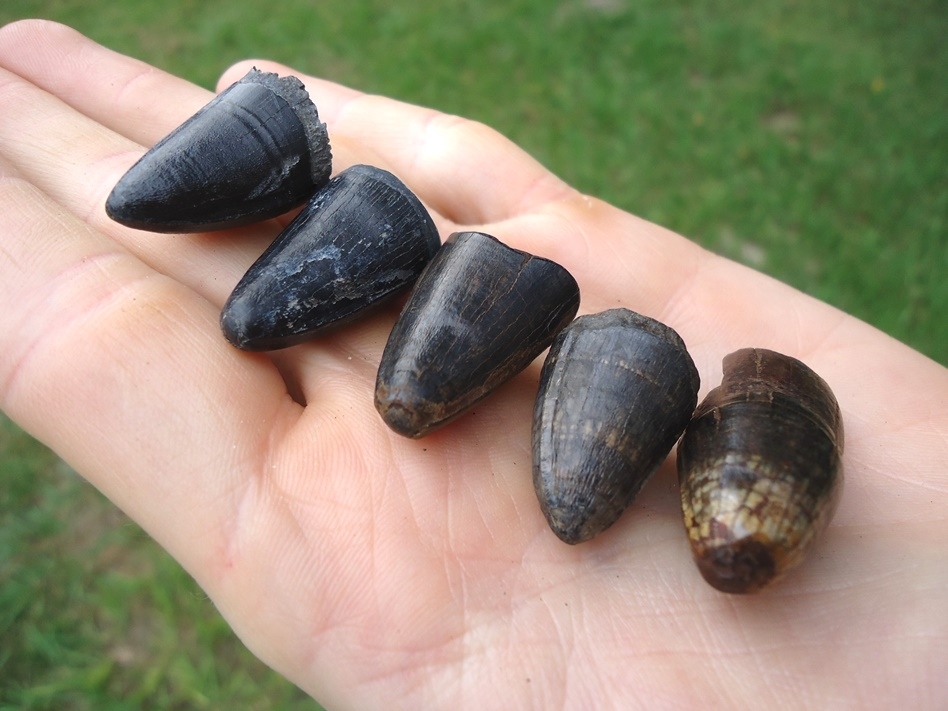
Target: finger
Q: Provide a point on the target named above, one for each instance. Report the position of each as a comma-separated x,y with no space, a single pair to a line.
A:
467,171
121,370
127,96
64,150
115,91
75,161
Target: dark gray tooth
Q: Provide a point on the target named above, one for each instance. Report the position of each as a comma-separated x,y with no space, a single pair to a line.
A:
479,314
255,151
361,240
616,391
760,468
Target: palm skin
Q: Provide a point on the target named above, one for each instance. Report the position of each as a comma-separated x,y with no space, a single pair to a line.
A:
375,571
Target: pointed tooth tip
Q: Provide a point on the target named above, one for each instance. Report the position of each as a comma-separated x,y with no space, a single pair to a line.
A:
401,417
234,334
115,206
567,525
407,412
127,208
235,318
743,566
239,326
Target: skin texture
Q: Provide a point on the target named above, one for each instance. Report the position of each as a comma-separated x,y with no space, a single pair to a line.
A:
379,572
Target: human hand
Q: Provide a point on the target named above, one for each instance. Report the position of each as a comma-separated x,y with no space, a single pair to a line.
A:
377,571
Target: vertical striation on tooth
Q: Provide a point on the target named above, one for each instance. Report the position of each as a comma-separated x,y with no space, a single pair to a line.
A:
760,468
616,391
478,315
360,241
255,151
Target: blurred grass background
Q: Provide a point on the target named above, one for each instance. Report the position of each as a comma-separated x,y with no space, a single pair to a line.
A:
804,138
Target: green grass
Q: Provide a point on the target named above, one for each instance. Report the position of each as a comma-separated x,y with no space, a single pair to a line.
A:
805,138
94,615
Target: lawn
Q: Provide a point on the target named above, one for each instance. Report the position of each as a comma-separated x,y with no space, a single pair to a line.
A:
807,139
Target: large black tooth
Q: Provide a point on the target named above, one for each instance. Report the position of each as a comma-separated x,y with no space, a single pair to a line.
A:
616,391
362,239
478,315
255,151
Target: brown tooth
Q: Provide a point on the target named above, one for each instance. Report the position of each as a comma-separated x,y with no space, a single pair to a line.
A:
616,391
760,468
478,315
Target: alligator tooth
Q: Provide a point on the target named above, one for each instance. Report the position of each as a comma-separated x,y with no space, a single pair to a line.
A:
255,151
478,315
616,392
760,468
361,240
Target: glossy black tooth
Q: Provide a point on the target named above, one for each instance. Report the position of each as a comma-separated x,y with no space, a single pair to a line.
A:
616,391
361,240
255,151
479,314
760,469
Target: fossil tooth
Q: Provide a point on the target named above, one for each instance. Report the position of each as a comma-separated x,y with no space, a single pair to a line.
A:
478,315
616,392
255,151
361,240
760,470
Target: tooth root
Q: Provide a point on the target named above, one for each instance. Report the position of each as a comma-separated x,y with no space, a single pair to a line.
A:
478,315
360,241
255,151
616,392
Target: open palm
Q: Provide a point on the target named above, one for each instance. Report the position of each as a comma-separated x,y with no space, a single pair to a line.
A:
378,571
